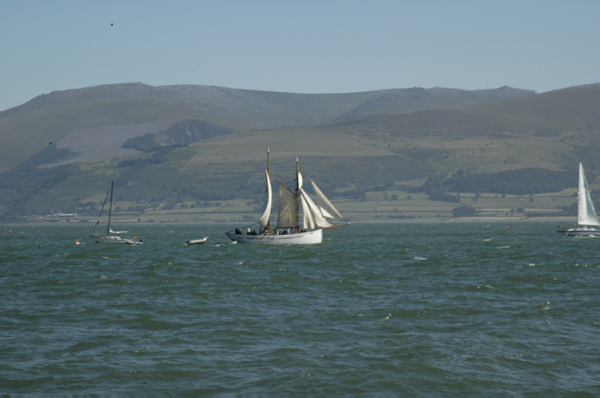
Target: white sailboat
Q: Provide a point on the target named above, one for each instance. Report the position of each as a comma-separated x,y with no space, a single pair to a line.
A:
587,221
111,236
288,230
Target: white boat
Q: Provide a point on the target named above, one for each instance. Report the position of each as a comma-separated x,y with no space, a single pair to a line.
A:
288,231
587,221
197,241
111,236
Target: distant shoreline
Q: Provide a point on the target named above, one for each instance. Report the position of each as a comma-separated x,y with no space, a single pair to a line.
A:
565,220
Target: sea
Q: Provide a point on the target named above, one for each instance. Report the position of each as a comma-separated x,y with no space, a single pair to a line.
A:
382,308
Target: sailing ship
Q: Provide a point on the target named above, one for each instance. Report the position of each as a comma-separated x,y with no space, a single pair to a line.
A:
587,221
315,218
111,236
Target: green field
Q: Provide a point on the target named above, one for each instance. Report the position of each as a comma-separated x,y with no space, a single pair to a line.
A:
378,206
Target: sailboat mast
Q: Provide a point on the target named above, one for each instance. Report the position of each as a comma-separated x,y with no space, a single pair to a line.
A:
297,197
101,210
112,186
268,226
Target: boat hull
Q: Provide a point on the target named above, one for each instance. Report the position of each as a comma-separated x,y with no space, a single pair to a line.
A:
197,241
583,231
116,239
304,238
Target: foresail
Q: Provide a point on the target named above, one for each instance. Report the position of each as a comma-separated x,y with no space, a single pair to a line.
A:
325,203
264,220
325,213
309,207
287,208
586,213
308,218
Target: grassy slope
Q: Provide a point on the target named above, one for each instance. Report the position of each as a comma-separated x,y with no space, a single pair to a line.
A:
338,160
24,134
27,129
356,154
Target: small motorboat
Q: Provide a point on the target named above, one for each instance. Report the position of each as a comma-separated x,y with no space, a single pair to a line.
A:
197,241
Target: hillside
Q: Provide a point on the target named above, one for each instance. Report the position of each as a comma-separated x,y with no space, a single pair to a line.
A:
96,116
426,162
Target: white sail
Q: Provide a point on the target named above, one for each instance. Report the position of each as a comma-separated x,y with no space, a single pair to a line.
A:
287,214
308,218
264,220
288,231
325,203
586,213
309,206
325,213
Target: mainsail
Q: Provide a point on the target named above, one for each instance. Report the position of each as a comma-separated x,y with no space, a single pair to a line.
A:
586,213
264,220
287,214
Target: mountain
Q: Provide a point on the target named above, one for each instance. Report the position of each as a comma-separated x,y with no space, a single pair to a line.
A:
180,145
103,122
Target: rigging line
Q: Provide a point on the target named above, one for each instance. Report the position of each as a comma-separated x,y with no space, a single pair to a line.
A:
101,210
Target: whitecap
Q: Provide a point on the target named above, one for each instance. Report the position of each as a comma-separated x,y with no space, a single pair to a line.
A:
420,258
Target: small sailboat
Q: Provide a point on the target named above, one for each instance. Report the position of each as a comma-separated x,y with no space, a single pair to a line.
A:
587,221
288,230
111,236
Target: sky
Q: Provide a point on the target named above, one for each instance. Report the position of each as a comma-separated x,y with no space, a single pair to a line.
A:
301,46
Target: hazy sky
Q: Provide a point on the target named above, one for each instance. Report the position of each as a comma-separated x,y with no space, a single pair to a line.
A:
302,46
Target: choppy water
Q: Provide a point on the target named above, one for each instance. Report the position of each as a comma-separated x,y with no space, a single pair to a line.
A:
449,308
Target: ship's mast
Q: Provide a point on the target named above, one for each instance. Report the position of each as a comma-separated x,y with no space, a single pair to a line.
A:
112,187
297,197
268,162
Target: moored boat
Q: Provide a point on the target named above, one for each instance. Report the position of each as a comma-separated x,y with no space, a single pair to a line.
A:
111,236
